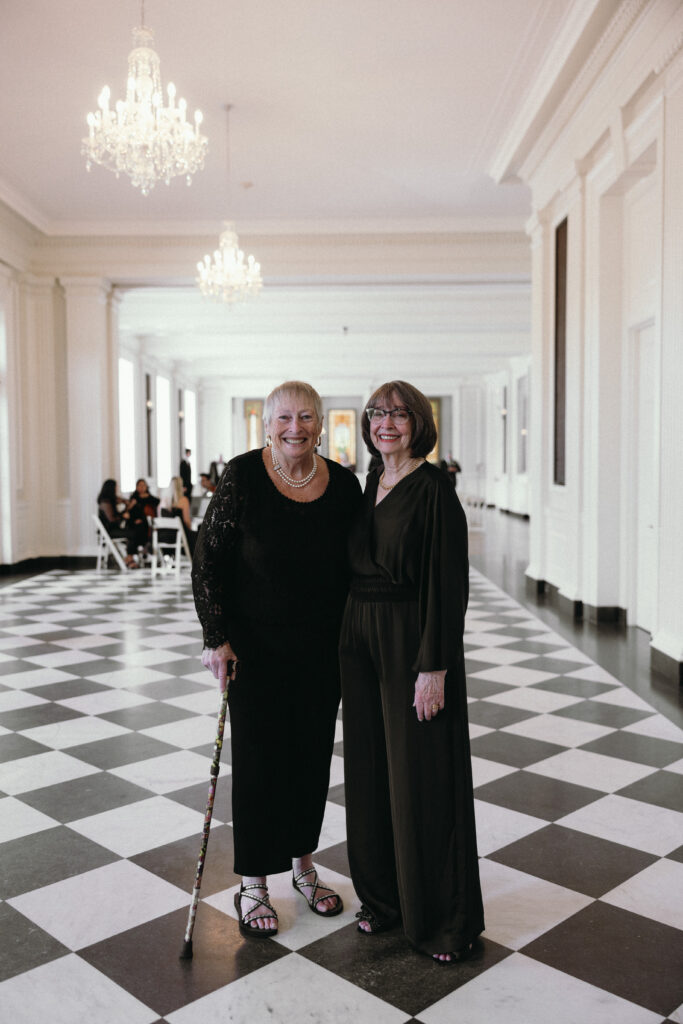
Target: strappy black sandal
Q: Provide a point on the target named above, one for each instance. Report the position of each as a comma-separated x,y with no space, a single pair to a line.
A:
365,914
245,921
457,956
312,898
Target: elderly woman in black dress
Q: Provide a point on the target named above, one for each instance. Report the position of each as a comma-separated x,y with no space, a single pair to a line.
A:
409,804
270,577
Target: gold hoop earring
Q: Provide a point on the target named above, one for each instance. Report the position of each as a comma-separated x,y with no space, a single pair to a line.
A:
269,441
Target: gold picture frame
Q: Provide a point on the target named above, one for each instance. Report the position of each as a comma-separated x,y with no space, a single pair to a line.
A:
341,433
253,422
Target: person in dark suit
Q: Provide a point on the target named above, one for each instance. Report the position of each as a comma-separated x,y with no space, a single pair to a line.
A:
186,474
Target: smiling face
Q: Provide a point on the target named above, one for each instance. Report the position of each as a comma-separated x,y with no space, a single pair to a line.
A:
389,437
294,428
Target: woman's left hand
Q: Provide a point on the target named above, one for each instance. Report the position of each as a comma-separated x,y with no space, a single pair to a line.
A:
429,696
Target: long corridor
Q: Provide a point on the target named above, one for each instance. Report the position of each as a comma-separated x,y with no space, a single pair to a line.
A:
107,722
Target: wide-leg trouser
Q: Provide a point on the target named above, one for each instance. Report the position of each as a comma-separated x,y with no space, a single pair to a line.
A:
283,710
409,804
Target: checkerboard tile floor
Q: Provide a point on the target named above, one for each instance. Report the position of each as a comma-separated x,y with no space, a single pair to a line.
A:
107,723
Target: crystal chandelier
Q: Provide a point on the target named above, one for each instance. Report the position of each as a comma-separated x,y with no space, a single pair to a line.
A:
140,137
227,275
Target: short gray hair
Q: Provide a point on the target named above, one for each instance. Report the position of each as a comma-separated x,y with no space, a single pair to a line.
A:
295,388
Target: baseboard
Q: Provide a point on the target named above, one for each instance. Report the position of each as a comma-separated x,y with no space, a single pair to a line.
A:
33,566
666,666
604,613
517,515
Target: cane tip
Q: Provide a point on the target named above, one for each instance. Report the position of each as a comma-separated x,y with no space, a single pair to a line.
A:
186,952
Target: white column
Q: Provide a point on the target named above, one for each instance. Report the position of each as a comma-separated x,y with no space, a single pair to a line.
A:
667,637
88,385
214,415
9,402
540,392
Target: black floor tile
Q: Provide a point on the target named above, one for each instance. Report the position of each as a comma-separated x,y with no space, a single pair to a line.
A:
389,968
163,689
67,689
46,857
13,746
79,798
335,858
10,668
537,795
573,686
573,859
336,795
119,750
518,751
623,953
196,797
480,688
177,862
37,714
145,716
633,747
664,789
145,960
603,714
496,716
24,945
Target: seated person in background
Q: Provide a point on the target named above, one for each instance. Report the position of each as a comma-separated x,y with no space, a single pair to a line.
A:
117,524
175,503
206,483
140,508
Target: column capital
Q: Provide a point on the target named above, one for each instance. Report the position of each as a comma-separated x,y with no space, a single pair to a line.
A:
86,287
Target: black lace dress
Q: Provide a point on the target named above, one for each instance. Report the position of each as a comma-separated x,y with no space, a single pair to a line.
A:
270,575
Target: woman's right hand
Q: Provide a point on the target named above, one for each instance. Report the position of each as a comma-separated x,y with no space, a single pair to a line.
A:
222,662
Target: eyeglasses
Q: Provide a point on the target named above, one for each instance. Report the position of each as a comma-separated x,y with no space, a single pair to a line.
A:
398,415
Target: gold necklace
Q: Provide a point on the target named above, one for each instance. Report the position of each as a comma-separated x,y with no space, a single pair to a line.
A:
390,487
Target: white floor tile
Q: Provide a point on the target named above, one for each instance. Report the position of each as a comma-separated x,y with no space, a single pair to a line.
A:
60,658
478,730
140,826
594,674
568,732
104,701
498,826
529,699
66,991
12,700
163,640
87,642
484,639
128,677
656,892
622,697
520,907
658,726
597,771
630,822
169,772
39,770
498,655
96,904
334,826
35,677
62,735
188,732
289,990
17,819
484,771
149,657
514,675
205,702
518,990
570,654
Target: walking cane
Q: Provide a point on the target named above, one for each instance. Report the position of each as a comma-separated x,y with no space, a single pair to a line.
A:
186,953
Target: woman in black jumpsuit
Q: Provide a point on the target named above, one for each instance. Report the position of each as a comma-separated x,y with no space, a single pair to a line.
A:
270,577
409,802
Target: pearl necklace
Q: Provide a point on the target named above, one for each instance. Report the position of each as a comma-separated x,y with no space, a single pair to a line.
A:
390,487
288,479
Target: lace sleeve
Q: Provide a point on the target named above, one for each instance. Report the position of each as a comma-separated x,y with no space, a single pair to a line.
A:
212,559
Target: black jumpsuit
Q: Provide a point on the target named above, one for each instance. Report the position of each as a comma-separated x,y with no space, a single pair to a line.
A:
270,575
409,803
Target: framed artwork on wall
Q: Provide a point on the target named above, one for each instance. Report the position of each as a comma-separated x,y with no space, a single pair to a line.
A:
341,429
434,455
253,418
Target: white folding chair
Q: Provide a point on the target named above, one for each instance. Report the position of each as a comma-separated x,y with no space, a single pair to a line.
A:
109,547
167,554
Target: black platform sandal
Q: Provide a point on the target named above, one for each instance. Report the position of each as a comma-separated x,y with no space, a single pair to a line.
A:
312,898
457,956
365,914
245,921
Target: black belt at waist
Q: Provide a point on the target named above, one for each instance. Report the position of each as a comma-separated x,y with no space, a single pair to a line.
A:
376,588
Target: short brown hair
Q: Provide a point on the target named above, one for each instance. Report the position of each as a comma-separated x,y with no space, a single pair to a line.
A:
423,434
